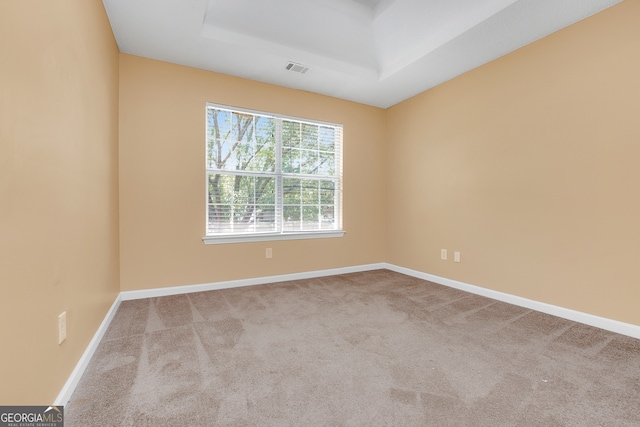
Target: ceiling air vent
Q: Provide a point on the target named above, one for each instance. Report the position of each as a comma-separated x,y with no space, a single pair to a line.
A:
297,68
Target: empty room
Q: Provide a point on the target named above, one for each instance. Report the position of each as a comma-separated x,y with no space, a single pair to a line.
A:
320,212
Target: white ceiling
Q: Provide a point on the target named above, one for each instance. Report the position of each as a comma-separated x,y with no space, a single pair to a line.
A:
376,52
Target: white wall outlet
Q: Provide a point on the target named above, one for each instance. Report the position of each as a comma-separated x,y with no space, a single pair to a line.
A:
456,256
443,254
62,327
269,253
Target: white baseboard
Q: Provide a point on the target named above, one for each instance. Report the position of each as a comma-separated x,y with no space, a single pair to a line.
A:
566,313
577,316
81,366
187,289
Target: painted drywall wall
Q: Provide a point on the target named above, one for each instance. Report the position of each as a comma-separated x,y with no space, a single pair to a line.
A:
58,189
529,167
162,179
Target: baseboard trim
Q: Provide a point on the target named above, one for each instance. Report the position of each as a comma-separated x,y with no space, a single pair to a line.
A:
186,289
566,313
69,387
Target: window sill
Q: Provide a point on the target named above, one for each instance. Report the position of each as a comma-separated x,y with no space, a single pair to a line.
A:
267,237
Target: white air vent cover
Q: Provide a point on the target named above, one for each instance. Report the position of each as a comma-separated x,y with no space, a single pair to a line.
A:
298,68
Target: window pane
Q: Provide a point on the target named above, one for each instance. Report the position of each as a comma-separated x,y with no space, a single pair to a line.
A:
291,218
218,132
326,138
220,189
327,192
310,192
290,134
327,164
219,219
327,217
242,127
291,191
327,205
265,218
262,154
310,217
309,136
290,160
266,190
308,162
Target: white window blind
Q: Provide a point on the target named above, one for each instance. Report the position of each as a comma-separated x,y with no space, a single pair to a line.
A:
271,176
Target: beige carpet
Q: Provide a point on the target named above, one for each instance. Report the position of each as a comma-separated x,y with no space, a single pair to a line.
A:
365,349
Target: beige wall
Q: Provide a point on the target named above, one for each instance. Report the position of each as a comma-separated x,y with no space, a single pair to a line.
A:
529,167
58,189
162,179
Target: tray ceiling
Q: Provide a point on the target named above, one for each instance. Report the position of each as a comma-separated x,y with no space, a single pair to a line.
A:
376,52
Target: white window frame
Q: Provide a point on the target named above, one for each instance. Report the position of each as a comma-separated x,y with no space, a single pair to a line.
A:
222,238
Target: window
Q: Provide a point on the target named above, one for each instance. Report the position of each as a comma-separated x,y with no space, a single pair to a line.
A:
271,177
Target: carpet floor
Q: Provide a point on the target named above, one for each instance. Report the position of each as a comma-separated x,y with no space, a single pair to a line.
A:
375,348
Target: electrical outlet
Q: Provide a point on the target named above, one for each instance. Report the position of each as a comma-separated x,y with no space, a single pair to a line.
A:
62,327
443,254
269,253
456,256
